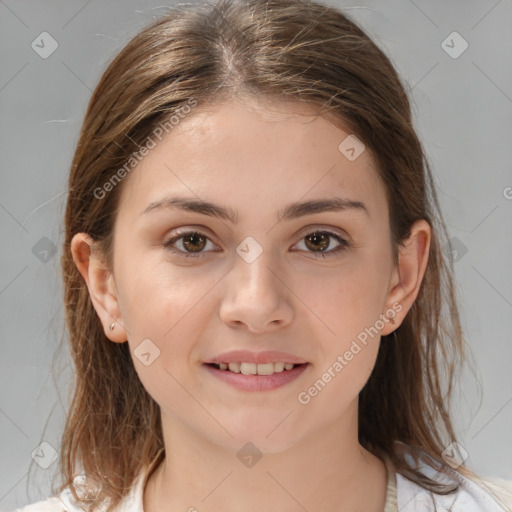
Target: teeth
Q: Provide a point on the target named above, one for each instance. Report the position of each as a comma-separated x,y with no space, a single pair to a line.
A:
234,367
249,368
256,369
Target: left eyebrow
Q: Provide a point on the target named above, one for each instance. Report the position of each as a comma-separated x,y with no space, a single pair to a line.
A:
291,211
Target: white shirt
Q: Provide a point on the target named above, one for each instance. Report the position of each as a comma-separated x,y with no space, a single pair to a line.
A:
403,495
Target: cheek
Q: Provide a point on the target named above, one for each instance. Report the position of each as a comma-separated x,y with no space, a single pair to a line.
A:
330,393
348,306
349,299
166,311
340,377
157,298
165,327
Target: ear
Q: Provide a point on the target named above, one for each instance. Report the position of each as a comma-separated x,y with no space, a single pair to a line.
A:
408,274
101,285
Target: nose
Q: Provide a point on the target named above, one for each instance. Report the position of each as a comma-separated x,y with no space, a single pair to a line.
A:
257,298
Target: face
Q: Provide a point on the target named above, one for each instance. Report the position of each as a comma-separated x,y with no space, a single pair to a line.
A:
270,275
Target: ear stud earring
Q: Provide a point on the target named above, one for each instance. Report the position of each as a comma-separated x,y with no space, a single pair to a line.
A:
112,326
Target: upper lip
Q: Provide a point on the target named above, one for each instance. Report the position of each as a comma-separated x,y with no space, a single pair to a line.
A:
245,356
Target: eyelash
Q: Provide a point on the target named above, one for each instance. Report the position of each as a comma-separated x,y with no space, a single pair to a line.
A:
344,244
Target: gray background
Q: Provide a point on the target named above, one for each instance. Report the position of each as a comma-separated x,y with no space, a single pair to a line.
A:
463,113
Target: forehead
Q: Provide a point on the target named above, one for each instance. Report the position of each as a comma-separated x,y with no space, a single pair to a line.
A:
255,154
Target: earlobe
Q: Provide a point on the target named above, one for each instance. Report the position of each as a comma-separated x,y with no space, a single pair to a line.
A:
409,273
101,286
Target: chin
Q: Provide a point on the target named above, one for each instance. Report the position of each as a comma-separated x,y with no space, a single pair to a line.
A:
270,434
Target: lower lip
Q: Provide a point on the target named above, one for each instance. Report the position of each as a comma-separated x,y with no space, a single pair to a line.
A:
257,382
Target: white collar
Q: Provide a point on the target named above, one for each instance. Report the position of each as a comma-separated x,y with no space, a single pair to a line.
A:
402,494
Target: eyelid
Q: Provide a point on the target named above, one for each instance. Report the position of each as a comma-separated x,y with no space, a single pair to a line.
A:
344,241
179,233
200,230
203,230
320,228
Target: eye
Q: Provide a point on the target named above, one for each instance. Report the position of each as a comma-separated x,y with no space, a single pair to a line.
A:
193,243
319,241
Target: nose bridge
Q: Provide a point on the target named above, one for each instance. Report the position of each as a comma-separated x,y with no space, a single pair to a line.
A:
256,296
253,267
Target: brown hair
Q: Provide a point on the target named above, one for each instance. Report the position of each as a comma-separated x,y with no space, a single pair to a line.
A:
287,49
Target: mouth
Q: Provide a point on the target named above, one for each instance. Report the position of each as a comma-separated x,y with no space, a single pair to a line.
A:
255,368
255,377
246,370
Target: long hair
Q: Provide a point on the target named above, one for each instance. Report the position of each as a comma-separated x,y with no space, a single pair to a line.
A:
282,49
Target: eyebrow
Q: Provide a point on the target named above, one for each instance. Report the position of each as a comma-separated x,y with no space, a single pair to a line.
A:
291,211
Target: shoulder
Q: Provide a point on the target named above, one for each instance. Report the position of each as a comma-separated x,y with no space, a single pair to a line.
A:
49,505
65,501
484,495
500,488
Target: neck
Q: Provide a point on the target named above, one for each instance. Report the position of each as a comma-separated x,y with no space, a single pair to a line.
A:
329,471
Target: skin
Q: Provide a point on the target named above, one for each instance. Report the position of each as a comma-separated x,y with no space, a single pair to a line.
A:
255,158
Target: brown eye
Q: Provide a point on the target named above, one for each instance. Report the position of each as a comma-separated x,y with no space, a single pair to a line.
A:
191,242
317,243
194,242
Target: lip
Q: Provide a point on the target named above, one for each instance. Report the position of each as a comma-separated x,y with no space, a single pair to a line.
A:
257,382
245,356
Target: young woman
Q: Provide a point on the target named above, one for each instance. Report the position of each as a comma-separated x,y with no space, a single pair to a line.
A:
259,309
